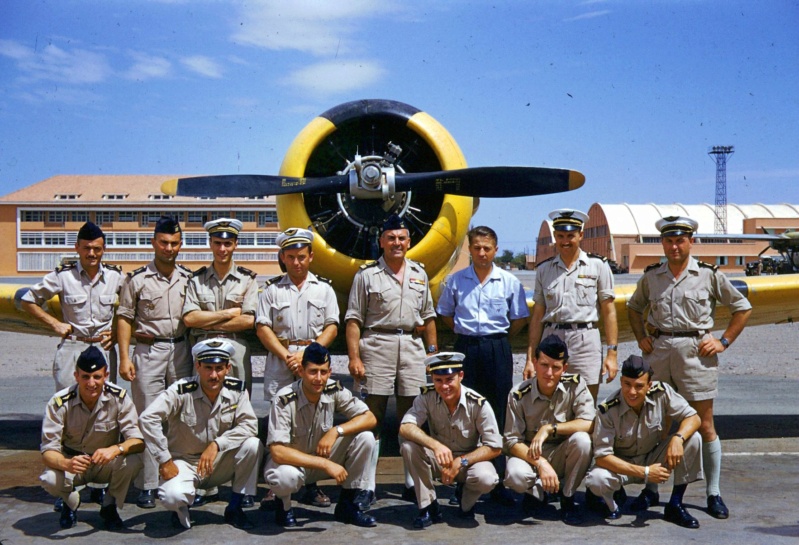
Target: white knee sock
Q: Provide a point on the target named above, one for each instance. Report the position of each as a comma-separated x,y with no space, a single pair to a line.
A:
711,458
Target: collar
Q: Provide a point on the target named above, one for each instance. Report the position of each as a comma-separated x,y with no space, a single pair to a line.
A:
302,401
493,275
582,258
539,395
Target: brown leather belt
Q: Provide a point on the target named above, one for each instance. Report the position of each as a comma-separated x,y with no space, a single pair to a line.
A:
86,339
658,333
144,338
390,331
217,336
570,325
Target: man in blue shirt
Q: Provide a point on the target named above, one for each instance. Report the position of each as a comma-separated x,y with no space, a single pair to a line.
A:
485,306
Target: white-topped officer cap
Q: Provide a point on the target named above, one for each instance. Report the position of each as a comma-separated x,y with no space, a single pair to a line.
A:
674,226
444,363
295,237
224,228
567,219
213,351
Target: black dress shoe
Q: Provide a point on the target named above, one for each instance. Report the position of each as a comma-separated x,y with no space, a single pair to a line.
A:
455,499
569,512
146,499
364,499
612,515
97,495
620,497
199,501
646,499
594,502
679,516
247,501
284,518
111,518
502,496
236,518
59,503
348,512
69,518
315,496
427,516
531,504
716,507
409,494
467,515
269,502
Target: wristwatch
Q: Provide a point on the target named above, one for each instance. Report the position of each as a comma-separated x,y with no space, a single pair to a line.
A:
432,348
340,431
121,450
464,462
724,342
614,347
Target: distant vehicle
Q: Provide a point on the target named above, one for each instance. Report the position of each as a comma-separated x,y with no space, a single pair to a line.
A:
615,268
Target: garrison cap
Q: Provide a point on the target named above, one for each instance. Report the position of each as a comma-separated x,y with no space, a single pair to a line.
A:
635,367
394,222
674,226
294,238
567,219
213,351
91,359
444,363
90,231
167,225
224,228
316,353
554,347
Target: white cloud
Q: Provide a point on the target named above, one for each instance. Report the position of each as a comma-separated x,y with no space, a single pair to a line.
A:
589,15
52,63
148,67
332,77
202,65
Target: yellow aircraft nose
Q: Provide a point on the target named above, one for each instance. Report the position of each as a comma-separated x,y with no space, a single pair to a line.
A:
170,187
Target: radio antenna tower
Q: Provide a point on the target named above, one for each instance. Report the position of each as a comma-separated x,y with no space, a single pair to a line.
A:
719,155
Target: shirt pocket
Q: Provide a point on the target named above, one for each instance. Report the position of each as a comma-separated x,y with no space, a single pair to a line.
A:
76,301
148,305
414,300
234,300
696,304
206,302
316,312
281,315
585,292
553,295
379,300
498,306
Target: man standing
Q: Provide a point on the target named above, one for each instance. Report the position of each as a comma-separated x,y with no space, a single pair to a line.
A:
681,296
150,308
211,435
571,290
390,299
90,434
629,448
222,298
294,310
304,444
463,440
485,306
88,292
547,431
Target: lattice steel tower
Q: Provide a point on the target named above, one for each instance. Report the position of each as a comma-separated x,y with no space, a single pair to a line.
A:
719,155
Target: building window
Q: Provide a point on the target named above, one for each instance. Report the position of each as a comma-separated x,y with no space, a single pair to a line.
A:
123,239
56,217
159,197
128,216
66,196
196,217
81,217
265,217
30,239
114,196
104,218
32,215
246,216
246,239
650,240
144,239
55,239
195,239
217,215
266,239
149,218
739,260
721,260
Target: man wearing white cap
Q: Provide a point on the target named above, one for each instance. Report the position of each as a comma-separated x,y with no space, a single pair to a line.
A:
680,296
294,310
464,438
211,435
571,290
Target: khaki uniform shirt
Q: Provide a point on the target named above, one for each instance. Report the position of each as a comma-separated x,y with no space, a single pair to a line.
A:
472,425
574,295
529,410
87,304
687,303
193,422
621,432
154,302
207,291
296,314
69,427
298,423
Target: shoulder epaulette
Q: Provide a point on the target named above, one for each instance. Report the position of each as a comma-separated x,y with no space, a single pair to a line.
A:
333,388
427,389
713,268
200,271
417,263
367,265
652,266
545,261
185,269
188,387
246,271
597,256
656,388
274,280
323,279
137,271
113,267
288,398
603,407
476,398
234,384
521,392
60,400
570,377
115,390
65,267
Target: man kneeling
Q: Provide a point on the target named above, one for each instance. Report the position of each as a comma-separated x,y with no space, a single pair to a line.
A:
304,445
464,438
628,446
211,435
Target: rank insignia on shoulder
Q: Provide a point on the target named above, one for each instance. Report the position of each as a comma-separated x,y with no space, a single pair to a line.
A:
597,256
247,272
603,407
367,265
419,263
66,266
325,280
333,387
274,280
60,400
570,377
521,392
137,271
427,389
288,398
200,271
188,387
185,269
234,384
702,264
477,398
651,267
656,388
112,267
115,390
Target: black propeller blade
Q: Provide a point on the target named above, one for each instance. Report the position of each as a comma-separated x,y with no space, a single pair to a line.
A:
251,185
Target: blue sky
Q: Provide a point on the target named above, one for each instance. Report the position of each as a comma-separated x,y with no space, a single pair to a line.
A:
631,93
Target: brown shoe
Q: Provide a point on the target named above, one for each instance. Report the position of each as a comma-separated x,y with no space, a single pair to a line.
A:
315,496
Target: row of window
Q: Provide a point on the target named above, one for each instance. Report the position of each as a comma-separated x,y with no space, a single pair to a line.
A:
118,239
47,261
145,219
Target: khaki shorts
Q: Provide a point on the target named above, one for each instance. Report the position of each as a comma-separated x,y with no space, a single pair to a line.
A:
394,364
585,351
676,360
